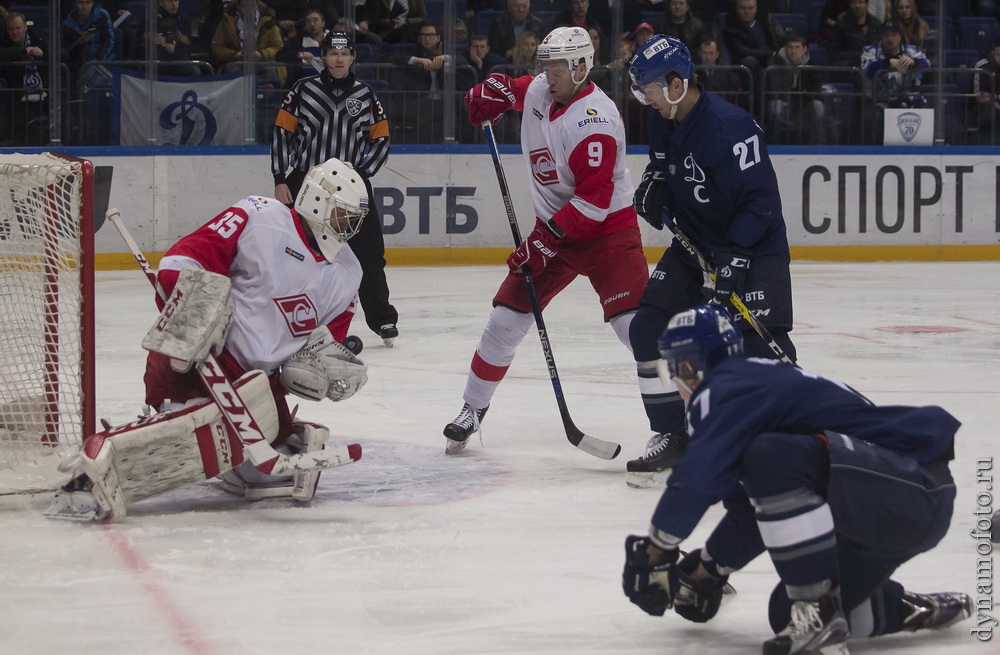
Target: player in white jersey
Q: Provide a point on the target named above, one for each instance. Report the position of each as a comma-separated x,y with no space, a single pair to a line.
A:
270,291
573,139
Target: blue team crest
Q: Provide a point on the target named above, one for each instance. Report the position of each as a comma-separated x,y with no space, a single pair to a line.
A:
672,169
909,125
192,121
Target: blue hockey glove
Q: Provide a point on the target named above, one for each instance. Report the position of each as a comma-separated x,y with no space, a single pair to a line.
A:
731,266
653,198
649,584
698,600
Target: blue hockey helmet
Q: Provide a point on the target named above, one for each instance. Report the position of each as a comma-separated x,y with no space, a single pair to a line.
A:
658,58
696,340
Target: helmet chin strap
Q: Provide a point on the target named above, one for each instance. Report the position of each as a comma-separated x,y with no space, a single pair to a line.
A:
674,103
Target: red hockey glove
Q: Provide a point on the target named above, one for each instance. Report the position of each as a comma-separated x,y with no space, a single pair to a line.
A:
488,100
534,252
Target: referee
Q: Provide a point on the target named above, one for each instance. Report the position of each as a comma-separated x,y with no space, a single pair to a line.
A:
335,115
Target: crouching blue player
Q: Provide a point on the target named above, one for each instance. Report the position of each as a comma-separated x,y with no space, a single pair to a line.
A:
710,176
839,492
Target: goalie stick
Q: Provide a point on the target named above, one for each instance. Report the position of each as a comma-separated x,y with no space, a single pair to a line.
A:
586,443
764,333
234,411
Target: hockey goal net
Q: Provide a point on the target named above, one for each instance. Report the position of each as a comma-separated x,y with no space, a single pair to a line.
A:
46,314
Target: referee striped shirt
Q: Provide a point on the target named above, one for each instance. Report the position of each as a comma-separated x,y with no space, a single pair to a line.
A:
324,117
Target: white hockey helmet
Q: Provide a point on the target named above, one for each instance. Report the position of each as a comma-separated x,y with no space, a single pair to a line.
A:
571,44
334,201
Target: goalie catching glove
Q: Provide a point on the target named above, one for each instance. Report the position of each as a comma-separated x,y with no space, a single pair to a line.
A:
490,99
324,368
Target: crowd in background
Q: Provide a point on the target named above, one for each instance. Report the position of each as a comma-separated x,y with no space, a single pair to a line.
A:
860,57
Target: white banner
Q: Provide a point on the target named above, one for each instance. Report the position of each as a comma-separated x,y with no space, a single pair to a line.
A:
194,111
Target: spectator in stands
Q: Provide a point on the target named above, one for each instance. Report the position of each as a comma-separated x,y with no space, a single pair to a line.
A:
509,25
522,55
172,41
87,35
480,57
232,36
894,67
631,11
795,112
575,15
724,82
752,35
912,26
602,48
424,65
25,117
601,74
986,88
303,51
678,22
833,10
856,30
381,16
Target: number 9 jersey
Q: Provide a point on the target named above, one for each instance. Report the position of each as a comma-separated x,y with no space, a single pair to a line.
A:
575,159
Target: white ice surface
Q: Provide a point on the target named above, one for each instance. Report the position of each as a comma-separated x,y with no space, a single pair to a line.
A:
515,547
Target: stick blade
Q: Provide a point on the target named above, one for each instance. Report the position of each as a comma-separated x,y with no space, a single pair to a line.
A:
594,446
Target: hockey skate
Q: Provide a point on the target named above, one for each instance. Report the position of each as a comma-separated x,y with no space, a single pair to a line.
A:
464,425
663,451
246,481
388,332
75,501
818,627
935,610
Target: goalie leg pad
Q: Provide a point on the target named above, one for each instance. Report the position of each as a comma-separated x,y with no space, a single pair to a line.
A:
170,450
195,319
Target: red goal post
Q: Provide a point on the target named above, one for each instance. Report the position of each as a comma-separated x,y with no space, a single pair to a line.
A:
46,313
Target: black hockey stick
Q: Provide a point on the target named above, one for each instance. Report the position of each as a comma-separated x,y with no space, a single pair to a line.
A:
593,445
764,333
234,411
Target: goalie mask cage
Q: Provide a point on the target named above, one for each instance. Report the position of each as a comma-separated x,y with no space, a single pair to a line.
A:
46,313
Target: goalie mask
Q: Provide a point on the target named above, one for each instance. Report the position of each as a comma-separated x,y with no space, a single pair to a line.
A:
333,201
571,44
658,59
696,340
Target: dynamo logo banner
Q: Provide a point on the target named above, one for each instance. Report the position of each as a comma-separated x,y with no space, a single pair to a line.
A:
193,111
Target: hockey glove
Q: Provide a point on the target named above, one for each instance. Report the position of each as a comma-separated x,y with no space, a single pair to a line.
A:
488,100
649,584
534,252
731,266
653,197
698,600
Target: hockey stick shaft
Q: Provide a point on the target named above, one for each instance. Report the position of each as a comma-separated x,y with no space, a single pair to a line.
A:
758,327
234,411
588,444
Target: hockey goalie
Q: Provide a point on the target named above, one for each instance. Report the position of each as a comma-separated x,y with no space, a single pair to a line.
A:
261,296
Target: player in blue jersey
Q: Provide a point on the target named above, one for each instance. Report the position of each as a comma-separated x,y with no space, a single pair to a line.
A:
837,490
710,176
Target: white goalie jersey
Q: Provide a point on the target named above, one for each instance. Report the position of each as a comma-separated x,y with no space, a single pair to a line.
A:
282,288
